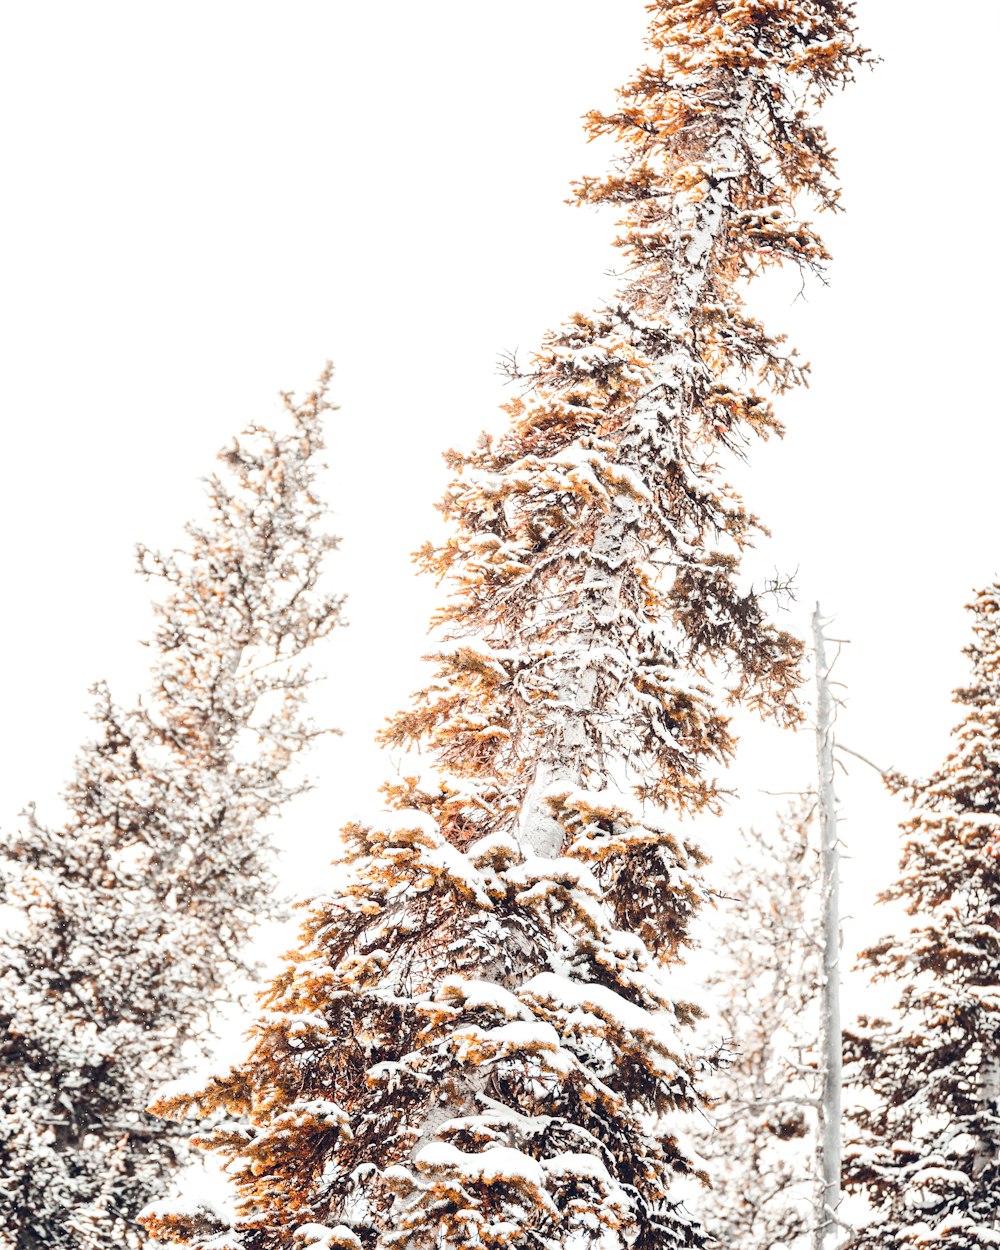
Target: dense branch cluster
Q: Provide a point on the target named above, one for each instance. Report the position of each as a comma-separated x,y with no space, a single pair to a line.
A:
127,924
765,968
926,1153
474,1044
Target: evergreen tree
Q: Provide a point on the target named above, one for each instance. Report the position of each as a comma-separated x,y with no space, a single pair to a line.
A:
474,1044
765,967
128,923
926,1153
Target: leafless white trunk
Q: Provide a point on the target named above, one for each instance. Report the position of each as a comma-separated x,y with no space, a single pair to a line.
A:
830,1048
989,1093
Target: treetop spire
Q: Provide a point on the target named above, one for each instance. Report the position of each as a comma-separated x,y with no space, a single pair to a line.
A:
475,1044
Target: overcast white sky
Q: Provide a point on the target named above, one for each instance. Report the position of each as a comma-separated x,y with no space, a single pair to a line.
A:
204,200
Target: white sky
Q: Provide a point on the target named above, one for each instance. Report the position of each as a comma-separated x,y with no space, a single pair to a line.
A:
205,200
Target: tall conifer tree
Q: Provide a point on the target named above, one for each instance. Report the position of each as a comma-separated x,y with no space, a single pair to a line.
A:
926,1153
127,923
474,1044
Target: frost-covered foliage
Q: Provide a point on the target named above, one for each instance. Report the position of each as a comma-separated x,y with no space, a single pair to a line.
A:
926,1149
765,963
474,1044
128,922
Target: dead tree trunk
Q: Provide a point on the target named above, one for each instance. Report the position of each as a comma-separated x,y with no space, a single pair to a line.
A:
830,1049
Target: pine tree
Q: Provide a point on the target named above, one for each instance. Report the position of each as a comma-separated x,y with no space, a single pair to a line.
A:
765,967
128,923
926,1153
474,1044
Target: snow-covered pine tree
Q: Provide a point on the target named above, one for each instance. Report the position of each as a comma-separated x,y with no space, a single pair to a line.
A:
926,1136
763,981
126,925
473,1045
